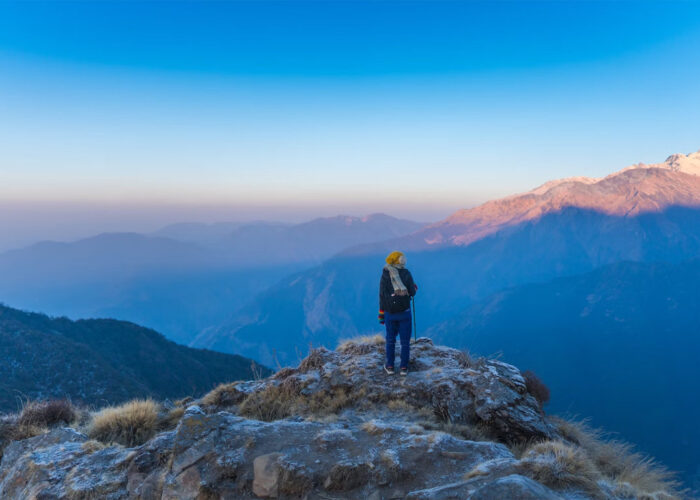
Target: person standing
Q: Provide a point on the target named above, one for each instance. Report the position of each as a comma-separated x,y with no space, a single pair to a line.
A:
396,287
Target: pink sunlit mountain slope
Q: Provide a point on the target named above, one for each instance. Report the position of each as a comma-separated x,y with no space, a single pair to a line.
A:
629,192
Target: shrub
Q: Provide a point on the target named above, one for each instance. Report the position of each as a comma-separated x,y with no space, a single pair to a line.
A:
130,424
47,413
536,387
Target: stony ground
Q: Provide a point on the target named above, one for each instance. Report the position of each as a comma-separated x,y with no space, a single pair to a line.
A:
335,427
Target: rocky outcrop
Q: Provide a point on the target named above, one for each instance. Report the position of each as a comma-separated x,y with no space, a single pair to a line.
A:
338,427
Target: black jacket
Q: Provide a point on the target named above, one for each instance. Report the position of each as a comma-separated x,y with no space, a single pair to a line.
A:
391,303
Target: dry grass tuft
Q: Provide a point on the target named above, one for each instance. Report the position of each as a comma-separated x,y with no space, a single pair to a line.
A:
330,402
619,461
406,408
536,387
130,424
284,373
92,446
466,360
285,399
47,413
560,466
171,418
223,396
272,403
360,345
399,405
7,427
470,432
36,418
10,431
313,361
184,402
371,427
343,477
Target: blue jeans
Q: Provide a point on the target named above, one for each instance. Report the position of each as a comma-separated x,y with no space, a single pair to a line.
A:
398,324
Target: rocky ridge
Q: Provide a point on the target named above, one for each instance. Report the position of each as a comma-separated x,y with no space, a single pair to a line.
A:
337,427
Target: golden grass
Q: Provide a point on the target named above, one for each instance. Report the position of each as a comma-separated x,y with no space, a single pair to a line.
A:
560,465
360,345
470,432
371,427
129,424
272,403
223,395
619,462
285,399
91,446
313,361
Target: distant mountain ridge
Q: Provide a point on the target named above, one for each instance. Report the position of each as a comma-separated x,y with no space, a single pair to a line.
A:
646,213
182,278
629,192
309,242
102,361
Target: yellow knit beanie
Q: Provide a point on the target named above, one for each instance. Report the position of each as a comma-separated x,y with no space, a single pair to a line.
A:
395,258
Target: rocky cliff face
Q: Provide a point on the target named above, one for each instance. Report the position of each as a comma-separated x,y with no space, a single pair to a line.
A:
338,427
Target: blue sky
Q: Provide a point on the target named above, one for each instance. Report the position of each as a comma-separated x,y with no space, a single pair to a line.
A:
226,110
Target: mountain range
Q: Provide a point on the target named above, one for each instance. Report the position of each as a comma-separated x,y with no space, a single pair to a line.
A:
591,232
652,215
98,362
584,280
182,278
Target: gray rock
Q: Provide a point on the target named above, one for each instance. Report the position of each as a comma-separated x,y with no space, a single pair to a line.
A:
371,449
515,487
17,448
194,410
489,392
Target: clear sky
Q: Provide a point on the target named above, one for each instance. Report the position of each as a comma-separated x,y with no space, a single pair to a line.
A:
122,115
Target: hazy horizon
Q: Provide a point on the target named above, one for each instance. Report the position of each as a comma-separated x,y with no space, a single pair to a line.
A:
22,224
127,116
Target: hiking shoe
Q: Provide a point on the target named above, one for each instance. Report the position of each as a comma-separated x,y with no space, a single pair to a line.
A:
389,369
404,371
